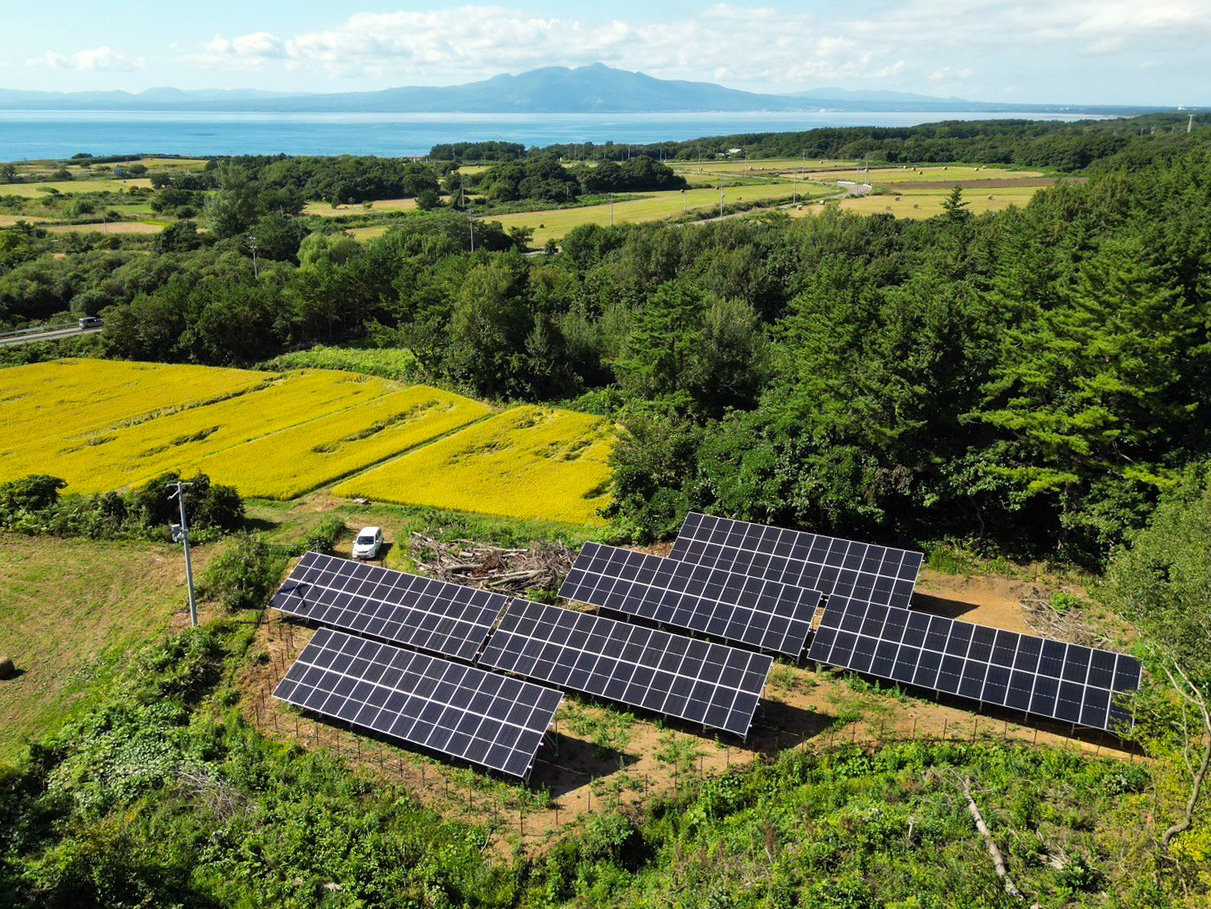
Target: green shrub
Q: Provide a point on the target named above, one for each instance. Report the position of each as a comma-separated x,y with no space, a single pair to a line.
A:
243,575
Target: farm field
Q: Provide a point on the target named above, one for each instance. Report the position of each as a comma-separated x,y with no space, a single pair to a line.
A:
327,210
554,223
105,425
1007,187
927,202
65,187
71,399
111,227
71,612
305,456
528,462
308,427
754,166
315,402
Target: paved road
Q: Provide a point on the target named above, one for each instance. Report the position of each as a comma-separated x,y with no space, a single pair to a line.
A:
51,333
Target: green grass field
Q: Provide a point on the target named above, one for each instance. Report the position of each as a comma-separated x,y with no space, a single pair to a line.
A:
65,187
554,223
71,611
927,203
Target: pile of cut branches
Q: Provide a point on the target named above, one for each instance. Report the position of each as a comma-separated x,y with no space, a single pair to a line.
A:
508,571
1047,621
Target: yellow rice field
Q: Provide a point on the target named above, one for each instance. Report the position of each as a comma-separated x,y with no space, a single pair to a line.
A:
103,425
295,460
528,462
47,404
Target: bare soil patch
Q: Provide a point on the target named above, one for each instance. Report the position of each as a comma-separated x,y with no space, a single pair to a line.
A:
991,601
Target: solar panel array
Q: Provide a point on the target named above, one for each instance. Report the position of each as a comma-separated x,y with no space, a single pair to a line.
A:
1034,675
458,710
711,684
391,605
735,607
835,567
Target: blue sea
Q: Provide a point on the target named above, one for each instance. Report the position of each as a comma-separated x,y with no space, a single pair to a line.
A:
33,135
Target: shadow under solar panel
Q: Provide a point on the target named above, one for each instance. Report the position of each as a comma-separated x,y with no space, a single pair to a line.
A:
712,684
833,566
457,710
1066,682
733,607
393,606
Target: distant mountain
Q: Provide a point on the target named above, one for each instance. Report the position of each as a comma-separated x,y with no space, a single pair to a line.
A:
553,89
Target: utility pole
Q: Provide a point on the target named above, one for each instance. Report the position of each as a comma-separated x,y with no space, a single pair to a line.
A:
611,209
180,533
720,200
471,221
252,243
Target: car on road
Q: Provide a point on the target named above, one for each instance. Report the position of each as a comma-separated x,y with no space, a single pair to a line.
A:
91,322
368,543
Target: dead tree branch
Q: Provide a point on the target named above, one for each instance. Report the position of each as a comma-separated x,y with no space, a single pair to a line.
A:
1190,693
998,860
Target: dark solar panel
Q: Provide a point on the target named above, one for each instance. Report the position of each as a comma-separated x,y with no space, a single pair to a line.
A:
456,710
390,605
722,604
711,684
860,571
1066,682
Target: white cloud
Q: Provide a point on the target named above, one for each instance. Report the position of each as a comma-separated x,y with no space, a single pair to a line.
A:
909,44
98,59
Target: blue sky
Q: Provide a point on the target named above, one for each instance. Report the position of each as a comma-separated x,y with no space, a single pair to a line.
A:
1063,51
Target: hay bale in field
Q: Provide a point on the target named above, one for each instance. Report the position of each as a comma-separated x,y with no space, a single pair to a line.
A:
6,668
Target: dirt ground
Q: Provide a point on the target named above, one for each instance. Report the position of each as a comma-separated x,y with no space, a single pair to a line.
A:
991,601
576,773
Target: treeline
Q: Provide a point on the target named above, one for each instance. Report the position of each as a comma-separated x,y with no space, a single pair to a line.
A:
543,178
1028,143
292,180
33,506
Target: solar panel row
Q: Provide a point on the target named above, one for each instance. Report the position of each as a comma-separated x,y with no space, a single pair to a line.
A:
457,710
711,684
835,567
1034,675
390,605
734,607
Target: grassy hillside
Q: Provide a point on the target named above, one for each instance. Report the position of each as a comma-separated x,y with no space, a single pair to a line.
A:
71,614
